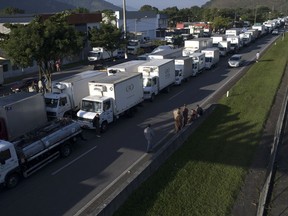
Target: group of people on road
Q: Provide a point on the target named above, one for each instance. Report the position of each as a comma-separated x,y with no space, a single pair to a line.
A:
182,117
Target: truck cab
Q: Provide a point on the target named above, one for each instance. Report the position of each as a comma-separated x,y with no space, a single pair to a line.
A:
58,105
92,105
8,163
150,87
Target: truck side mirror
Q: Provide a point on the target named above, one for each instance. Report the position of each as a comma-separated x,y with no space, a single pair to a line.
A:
2,161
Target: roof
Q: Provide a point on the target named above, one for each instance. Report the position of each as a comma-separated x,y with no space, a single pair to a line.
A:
72,19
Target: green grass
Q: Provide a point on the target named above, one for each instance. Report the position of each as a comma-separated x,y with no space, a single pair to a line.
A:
205,175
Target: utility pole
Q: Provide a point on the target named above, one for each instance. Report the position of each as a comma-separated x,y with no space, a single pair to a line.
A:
125,25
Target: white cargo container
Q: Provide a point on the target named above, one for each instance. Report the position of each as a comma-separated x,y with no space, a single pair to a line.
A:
211,57
129,66
217,38
246,38
65,98
233,32
183,69
224,48
260,28
198,62
111,97
158,75
196,45
166,54
20,113
235,42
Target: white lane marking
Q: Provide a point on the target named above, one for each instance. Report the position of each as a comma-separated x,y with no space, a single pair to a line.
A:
175,95
108,186
71,162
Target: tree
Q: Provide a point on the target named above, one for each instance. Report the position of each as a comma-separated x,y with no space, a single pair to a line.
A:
149,8
11,10
43,41
107,35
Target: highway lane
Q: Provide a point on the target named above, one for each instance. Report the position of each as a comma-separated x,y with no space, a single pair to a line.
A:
66,185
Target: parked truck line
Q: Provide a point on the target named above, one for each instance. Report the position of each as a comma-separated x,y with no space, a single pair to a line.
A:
65,98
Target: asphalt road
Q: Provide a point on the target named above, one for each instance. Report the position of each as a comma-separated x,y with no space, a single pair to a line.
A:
66,185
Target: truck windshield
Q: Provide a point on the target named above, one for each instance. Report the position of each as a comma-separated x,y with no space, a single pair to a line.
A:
94,54
147,82
91,106
51,102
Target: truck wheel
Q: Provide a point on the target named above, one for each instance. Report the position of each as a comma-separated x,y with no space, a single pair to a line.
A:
104,126
152,97
168,89
12,180
65,151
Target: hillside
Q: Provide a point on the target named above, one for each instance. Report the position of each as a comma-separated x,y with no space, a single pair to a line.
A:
280,5
49,6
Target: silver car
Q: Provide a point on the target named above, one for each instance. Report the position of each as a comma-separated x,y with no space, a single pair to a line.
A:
235,61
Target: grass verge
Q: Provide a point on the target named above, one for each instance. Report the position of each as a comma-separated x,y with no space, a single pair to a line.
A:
205,175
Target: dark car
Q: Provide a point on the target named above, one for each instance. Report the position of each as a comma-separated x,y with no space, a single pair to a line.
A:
27,84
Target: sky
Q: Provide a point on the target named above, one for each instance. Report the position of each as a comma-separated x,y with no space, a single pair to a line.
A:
160,4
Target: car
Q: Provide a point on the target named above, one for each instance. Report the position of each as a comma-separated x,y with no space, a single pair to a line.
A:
27,84
275,32
235,61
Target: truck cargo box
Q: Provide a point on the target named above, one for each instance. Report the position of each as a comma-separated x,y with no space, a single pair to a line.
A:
20,113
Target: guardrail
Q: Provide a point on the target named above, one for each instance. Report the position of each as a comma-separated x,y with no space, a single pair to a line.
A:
263,198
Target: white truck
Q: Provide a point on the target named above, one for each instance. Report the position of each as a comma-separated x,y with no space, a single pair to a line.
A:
111,97
28,154
100,53
216,39
166,54
158,75
21,113
246,38
198,62
183,69
129,66
224,48
133,46
1,75
261,29
196,45
65,98
235,43
233,32
212,56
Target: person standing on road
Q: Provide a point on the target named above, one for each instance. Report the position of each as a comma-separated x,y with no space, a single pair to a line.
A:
199,110
178,122
149,134
257,56
96,124
185,115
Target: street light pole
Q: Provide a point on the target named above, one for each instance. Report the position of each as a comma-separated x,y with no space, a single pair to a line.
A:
125,25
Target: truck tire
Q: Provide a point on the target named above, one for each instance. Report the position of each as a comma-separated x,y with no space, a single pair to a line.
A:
104,126
65,150
12,180
168,89
152,98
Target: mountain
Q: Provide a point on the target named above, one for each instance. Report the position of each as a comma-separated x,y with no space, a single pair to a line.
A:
91,5
52,6
279,5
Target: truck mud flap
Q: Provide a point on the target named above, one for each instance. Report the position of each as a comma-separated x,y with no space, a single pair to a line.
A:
43,163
